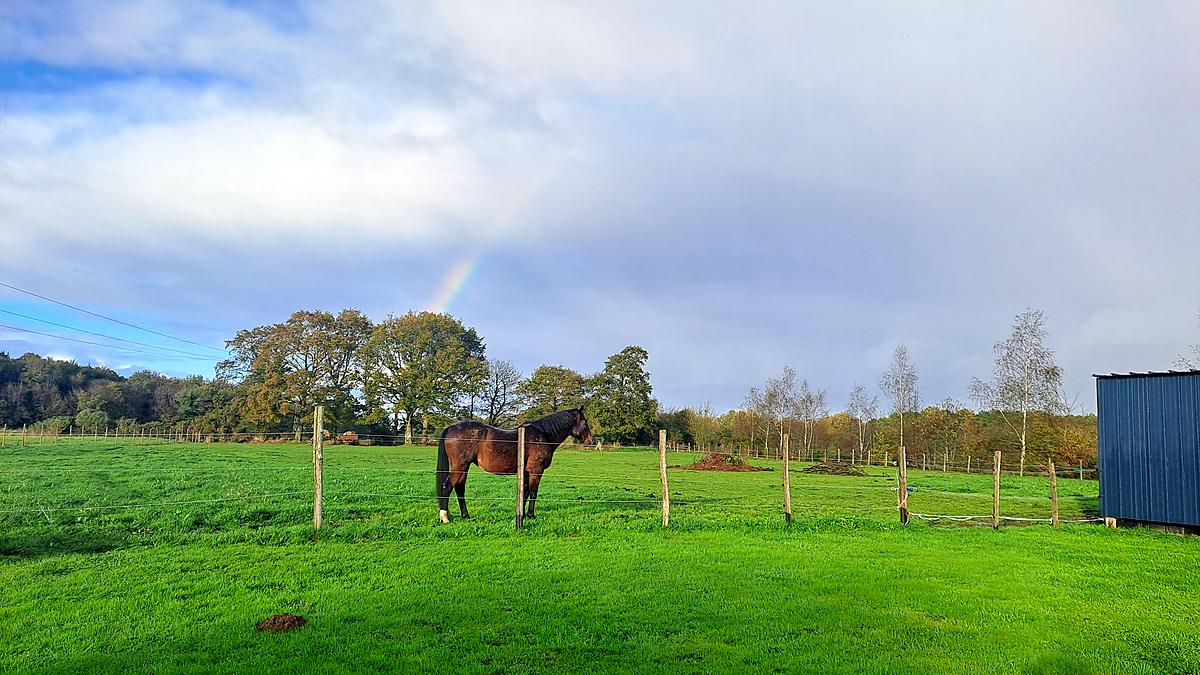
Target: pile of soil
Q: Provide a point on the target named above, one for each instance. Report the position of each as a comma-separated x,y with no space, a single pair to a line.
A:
280,623
715,461
835,469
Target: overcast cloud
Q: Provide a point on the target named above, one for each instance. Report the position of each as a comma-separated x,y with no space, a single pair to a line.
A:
734,187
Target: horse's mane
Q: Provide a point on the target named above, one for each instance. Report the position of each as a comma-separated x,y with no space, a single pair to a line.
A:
555,423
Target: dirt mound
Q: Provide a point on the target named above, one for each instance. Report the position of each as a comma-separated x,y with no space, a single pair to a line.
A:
279,623
715,461
835,469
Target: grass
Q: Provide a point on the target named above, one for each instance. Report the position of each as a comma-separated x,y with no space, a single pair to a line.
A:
594,584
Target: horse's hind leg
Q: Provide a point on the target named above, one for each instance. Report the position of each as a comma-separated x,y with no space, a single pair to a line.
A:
460,488
533,480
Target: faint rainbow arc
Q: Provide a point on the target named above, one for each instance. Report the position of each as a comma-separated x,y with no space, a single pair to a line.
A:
460,274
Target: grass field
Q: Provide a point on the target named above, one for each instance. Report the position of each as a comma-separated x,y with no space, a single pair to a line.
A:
594,584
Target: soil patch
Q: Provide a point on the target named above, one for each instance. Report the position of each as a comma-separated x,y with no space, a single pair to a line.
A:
280,623
715,461
835,469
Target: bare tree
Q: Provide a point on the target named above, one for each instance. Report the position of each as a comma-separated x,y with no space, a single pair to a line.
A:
863,410
774,402
502,400
899,383
808,406
1026,378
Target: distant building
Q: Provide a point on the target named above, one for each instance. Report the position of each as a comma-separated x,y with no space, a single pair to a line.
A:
1149,446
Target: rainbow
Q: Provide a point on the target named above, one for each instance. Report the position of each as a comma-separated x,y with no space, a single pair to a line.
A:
459,274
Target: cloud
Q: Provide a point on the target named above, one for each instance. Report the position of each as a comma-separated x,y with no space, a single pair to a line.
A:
735,188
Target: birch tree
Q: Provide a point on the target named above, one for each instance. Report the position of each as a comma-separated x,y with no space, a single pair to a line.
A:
809,406
899,383
1025,378
863,410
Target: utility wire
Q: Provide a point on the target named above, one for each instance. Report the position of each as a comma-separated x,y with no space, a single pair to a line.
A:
109,318
97,344
109,337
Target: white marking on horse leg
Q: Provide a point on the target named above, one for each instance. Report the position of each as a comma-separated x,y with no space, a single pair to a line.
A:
444,516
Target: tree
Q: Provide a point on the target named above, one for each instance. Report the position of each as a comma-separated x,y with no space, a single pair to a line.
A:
501,398
421,364
550,389
92,420
620,404
774,402
1025,377
704,426
291,367
863,410
808,406
899,383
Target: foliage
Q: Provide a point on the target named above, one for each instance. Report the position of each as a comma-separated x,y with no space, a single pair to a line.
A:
500,400
91,419
1026,377
421,365
550,389
289,368
621,407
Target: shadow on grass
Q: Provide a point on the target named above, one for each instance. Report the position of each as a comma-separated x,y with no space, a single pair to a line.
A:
40,542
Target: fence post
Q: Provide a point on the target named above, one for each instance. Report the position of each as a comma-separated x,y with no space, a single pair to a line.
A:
968,464
318,446
787,480
902,485
22,435
1053,496
662,470
996,492
945,460
520,521
1081,469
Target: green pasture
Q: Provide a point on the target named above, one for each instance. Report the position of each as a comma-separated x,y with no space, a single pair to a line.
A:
151,557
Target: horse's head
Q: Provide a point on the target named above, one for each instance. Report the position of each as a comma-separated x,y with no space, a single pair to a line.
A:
580,430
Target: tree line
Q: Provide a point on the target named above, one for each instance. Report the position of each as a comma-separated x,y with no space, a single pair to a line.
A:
411,375
407,375
1023,411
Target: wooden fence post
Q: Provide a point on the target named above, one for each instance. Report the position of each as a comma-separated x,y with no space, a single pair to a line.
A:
787,480
902,483
1053,496
662,470
22,435
1081,469
318,446
968,464
945,461
520,477
996,492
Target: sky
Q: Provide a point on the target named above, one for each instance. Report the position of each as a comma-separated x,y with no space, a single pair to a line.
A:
734,187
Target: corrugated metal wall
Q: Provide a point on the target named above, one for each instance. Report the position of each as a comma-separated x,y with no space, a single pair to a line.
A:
1149,443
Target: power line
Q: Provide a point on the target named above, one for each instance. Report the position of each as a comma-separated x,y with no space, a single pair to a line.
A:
109,318
109,337
97,344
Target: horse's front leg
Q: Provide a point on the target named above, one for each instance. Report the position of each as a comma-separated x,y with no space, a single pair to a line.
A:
532,481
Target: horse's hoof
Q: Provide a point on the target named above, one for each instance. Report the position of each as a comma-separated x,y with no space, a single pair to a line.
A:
444,516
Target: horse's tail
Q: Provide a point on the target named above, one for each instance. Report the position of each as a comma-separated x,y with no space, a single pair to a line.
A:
443,469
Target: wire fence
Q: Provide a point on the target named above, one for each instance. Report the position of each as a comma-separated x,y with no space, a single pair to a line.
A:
835,502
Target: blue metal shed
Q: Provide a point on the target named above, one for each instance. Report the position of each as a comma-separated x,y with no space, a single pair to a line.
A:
1149,446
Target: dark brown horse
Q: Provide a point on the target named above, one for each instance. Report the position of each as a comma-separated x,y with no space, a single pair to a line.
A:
495,451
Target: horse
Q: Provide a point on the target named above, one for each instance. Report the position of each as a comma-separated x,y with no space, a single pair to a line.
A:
495,451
